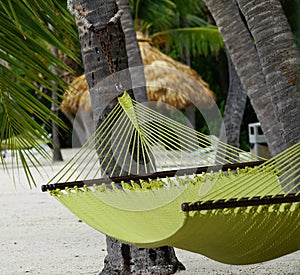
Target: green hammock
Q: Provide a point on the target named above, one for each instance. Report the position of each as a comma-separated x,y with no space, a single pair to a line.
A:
241,216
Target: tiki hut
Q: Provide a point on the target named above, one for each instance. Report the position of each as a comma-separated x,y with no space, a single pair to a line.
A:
172,82
167,81
77,97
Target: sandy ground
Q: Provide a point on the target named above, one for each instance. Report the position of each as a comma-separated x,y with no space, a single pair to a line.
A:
39,236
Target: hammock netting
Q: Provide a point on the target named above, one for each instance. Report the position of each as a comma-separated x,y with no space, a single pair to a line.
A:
109,186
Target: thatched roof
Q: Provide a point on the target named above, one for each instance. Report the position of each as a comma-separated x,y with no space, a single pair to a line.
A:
167,81
77,96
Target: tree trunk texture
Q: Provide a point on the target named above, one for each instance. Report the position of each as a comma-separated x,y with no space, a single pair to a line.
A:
83,127
121,258
135,62
57,156
240,46
234,109
279,59
126,259
185,55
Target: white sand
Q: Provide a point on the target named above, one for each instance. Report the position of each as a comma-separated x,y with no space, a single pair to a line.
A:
39,236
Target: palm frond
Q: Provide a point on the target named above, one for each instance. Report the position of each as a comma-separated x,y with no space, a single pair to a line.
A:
187,6
196,21
153,14
19,131
25,41
199,40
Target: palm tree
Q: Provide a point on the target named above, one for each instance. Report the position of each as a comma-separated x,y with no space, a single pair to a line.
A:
18,105
234,108
176,23
190,35
279,58
28,65
268,68
172,24
133,53
104,54
137,255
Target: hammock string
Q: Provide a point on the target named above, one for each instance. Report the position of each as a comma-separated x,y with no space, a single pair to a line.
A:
99,144
282,161
189,134
189,144
100,141
121,157
139,140
136,139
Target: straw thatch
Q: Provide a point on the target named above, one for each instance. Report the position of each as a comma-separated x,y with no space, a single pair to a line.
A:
77,96
167,81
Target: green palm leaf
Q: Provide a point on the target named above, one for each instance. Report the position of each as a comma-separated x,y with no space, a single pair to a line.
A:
25,42
161,20
153,15
197,40
195,21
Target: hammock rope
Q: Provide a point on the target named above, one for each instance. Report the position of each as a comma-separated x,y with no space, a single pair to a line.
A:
253,213
200,194
134,136
286,162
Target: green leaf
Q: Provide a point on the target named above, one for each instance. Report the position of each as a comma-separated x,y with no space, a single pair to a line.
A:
199,40
26,66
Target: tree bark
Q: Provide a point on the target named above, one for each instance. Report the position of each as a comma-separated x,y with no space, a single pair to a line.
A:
279,59
57,156
273,61
142,259
121,258
234,109
185,55
240,46
126,259
135,62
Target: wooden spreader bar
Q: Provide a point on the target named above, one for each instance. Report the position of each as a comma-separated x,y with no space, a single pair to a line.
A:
162,174
243,202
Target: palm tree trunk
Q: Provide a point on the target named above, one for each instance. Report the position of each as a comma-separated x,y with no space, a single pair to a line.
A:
57,156
274,61
142,257
121,258
234,109
240,46
135,62
279,59
185,55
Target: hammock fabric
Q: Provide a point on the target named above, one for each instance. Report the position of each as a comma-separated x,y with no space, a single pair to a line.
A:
155,212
